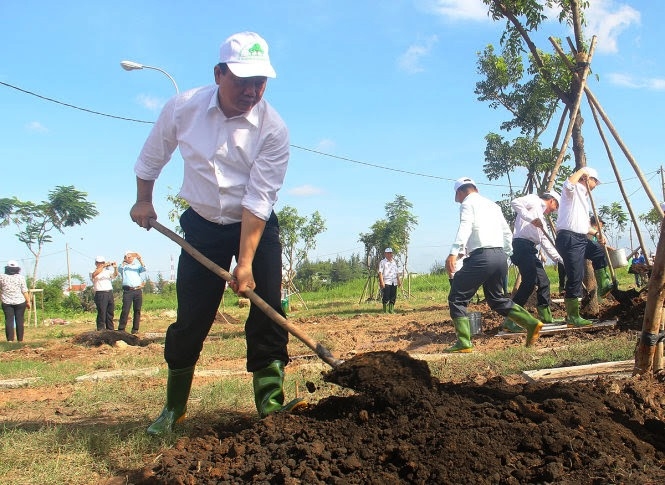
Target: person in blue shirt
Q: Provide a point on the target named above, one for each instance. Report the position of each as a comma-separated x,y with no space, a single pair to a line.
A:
131,271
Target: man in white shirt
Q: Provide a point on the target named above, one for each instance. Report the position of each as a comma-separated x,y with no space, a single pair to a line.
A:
102,283
236,149
485,234
572,243
388,281
528,238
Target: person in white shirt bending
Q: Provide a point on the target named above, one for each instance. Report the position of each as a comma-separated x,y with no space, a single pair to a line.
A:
485,234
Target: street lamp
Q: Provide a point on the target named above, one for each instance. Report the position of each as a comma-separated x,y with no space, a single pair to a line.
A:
131,66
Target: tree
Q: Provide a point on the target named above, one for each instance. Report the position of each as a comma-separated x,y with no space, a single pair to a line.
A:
394,231
65,207
298,237
179,205
652,220
615,219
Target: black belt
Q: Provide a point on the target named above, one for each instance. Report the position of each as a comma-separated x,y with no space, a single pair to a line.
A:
521,240
481,250
130,288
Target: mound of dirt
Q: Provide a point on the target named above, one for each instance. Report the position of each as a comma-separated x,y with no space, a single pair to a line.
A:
97,338
402,426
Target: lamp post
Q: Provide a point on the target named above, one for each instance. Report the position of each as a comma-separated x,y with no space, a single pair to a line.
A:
132,66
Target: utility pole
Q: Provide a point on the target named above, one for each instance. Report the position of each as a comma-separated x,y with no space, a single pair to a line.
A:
662,181
69,274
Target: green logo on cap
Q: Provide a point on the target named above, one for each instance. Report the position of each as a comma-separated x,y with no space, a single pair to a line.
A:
255,50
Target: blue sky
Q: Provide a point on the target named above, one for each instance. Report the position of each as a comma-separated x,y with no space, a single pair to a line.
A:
384,88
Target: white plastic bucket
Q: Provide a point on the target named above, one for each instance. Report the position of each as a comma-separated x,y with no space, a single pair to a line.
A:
618,258
476,323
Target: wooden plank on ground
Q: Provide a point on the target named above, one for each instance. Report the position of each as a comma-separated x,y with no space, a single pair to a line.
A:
547,329
580,372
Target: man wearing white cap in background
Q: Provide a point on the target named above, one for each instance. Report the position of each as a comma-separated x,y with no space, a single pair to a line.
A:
388,281
131,270
485,234
528,238
572,243
102,283
235,149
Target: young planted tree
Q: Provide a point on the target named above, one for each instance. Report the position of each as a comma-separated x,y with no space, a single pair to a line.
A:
616,221
298,237
394,231
65,207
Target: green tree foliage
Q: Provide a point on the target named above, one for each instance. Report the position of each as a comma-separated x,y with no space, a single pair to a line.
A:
394,231
616,220
298,237
65,207
532,94
652,221
179,205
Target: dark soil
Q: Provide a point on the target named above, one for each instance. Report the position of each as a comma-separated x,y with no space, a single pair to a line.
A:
401,425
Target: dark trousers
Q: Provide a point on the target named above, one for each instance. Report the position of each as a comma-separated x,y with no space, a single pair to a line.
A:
105,309
199,292
14,314
574,248
389,294
484,267
131,298
561,270
525,257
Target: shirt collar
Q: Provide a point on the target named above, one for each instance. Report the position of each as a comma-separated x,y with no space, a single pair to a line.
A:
252,116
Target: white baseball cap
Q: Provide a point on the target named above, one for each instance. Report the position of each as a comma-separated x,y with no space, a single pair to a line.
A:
464,181
246,54
388,250
100,259
12,263
555,195
127,253
592,173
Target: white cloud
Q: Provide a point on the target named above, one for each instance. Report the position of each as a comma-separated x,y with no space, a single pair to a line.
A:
627,81
37,127
325,145
410,61
305,191
150,102
474,10
607,20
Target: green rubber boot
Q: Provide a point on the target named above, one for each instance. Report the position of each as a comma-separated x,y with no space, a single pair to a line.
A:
524,319
385,308
603,282
463,331
391,308
178,385
545,314
573,318
269,390
511,327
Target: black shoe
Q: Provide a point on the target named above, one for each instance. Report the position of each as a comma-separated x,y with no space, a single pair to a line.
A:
134,332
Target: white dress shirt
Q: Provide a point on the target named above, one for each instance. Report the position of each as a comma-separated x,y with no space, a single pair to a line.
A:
529,208
482,225
230,163
573,212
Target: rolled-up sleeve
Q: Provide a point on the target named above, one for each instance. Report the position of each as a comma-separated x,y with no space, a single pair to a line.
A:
267,174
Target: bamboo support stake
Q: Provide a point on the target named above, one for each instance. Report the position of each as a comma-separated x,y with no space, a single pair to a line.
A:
618,177
574,113
613,131
600,230
647,345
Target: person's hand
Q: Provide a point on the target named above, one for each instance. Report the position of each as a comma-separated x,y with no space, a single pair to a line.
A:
27,304
142,212
538,223
243,279
451,260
